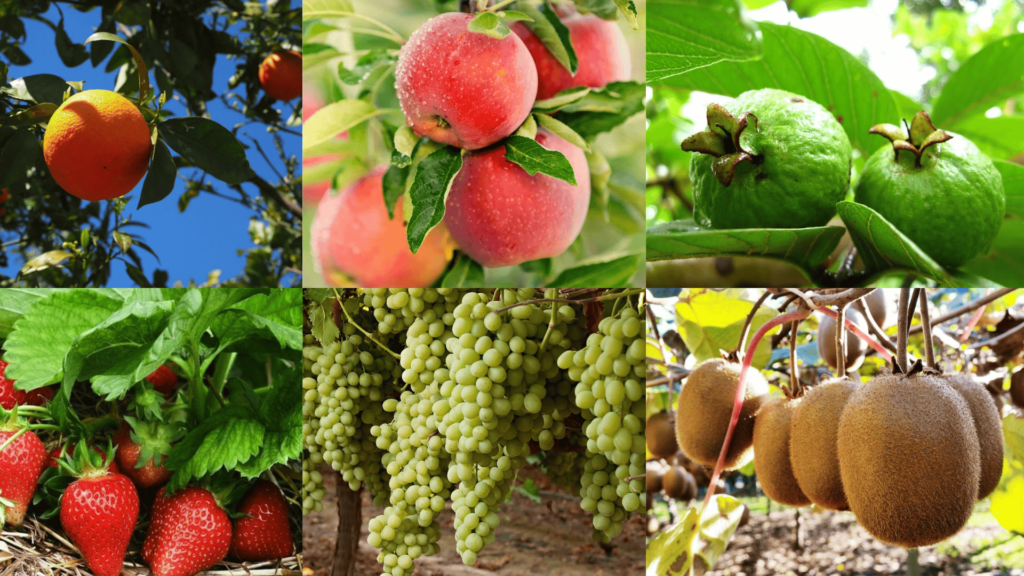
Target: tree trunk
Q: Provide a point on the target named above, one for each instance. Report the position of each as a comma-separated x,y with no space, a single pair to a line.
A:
350,512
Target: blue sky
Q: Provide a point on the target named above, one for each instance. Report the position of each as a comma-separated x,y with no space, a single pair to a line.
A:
212,230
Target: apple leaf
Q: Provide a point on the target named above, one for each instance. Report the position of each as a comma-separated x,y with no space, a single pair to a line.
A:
535,158
562,131
552,33
394,187
465,272
612,273
603,109
430,187
488,23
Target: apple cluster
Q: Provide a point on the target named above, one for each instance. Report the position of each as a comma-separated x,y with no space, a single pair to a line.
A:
473,90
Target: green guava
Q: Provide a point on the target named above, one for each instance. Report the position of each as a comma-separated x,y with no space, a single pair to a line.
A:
936,188
769,159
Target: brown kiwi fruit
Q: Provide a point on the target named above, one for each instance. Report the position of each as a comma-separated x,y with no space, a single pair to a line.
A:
705,410
771,452
654,477
987,424
745,518
909,459
675,482
812,442
661,435
1017,387
855,347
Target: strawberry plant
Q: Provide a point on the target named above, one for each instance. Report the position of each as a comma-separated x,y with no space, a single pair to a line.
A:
174,421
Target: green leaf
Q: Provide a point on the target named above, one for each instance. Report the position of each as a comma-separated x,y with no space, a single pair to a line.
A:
1003,263
804,247
1013,185
430,187
603,109
535,158
1008,499
160,178
208,146
19,154
713,321
685,35
465,273
562,131
394,187
325,9
612,274
999,137
563,98
906,105
883,247
40,88
628,10
989,77
334,119
806,8
813,67
693,544
552,33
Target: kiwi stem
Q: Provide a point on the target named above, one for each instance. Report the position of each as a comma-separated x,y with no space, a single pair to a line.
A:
794,370
661,345
879,333
967,308
902,334
741,388
860,334
929,345
841,342
746,324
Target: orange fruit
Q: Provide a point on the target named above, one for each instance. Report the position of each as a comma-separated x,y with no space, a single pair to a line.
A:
97,145
281,75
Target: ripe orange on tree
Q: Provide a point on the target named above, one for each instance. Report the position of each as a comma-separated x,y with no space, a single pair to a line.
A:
281,75
97,145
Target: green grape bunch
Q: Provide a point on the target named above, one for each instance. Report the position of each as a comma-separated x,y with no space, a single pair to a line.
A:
431,397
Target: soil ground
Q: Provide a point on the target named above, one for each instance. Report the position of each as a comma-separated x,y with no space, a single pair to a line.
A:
552,537
832,543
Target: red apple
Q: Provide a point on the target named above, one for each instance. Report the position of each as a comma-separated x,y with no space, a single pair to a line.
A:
353,237
464,88
502,216
600,49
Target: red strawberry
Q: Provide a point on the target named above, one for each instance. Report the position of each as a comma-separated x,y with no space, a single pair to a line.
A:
267,535
163,380
21,463
56,453
189,533
129,453
99,512
9,397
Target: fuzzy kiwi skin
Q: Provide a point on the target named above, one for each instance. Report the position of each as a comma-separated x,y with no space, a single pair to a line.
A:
771,452
909,459
705,410
677,483
987,424
855,347
813,439
654,477
661,435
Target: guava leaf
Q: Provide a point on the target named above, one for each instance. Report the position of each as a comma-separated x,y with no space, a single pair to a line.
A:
710,322
465,272
685,35
806,8
693,544
974,88
612,273
883,247
809,65
805,247
1013,185
1002,263
999,137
